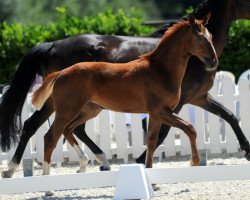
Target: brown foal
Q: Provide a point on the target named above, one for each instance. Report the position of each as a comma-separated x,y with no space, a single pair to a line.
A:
150,84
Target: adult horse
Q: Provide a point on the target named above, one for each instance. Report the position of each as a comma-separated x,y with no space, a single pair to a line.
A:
49,57
149,84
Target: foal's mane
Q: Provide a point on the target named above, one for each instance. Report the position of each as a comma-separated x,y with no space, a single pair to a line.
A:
168,33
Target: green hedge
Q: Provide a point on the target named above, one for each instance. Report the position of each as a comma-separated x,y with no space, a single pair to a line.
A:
236,55
16,39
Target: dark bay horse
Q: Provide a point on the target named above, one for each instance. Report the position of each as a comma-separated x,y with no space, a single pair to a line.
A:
149,84
53,56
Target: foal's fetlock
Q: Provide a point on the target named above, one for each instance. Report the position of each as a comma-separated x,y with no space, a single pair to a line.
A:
49,193
195,160
83,165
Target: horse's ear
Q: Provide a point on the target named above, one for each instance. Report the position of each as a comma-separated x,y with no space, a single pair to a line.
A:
191,19
206,19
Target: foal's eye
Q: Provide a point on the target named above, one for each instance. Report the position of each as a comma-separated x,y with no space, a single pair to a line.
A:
199,37
197,28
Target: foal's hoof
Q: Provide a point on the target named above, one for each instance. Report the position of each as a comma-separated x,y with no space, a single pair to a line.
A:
247,156
81,170
103,168
6,174
49,193
195,161
155,187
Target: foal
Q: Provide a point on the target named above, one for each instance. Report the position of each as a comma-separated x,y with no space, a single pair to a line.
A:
150,84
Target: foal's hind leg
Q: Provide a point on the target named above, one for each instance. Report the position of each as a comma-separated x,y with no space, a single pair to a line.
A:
83,157
166,116
79,131
30,127
90,111
50,140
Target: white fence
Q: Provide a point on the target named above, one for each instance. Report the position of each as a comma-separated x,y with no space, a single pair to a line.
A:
113,136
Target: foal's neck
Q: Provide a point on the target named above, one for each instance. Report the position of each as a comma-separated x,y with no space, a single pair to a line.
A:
171,56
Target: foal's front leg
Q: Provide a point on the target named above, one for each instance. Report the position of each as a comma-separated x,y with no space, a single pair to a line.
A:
166,116
151,140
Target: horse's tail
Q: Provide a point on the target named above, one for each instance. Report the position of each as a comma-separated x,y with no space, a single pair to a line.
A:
12,101
43,93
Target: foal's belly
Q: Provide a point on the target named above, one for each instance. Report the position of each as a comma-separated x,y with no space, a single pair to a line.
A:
121,102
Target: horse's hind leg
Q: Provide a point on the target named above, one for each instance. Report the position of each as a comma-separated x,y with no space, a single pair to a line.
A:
168,117
30,127
210,104
79,131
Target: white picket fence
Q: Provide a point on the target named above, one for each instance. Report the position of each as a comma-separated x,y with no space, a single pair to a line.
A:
114,137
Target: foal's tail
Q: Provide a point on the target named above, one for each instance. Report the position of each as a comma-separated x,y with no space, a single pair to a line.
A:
42,94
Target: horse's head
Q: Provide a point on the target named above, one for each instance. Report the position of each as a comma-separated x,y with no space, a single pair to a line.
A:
201,44
242,9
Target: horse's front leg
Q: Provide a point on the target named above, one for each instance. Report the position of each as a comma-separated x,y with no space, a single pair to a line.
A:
210,104
168,117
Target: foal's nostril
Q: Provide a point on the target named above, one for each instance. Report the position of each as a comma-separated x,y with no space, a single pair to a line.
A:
211,63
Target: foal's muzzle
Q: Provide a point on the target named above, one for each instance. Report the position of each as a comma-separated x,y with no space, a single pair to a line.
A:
211,64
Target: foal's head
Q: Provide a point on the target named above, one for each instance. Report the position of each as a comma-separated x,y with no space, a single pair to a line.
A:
201,44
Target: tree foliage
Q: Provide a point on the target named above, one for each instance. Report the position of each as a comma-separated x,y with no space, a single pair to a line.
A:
236,55
17,38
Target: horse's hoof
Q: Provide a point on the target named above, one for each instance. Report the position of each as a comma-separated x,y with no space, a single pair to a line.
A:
49,193
140,160
103,168
155,187
6,174
247,156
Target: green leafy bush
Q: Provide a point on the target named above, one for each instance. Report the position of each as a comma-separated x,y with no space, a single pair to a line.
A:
16,39
236,55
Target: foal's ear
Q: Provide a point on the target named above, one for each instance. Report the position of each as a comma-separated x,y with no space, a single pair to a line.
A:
191,19
206,19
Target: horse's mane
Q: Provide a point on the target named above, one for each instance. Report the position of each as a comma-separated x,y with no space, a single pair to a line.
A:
245,3
201,11
168,33
162,29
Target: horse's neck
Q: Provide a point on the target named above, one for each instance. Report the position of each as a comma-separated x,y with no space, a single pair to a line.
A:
219,24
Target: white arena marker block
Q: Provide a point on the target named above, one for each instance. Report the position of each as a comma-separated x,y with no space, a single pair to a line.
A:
132,183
